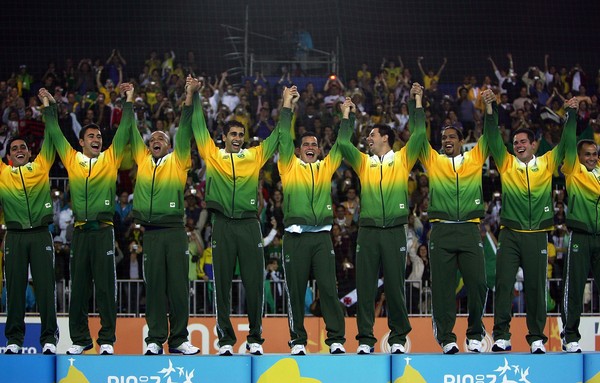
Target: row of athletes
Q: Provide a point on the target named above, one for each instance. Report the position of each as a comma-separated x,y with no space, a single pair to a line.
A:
231,194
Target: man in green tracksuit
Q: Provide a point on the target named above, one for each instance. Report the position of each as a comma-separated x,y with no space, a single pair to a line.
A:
583,189
527,215
158,206
307,241
92,180
455,208
232,196
382,233
25,197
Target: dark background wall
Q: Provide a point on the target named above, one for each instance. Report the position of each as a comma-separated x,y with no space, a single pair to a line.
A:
466,32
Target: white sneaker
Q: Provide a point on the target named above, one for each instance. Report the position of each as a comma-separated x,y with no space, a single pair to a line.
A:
450,348
77,350
186,348
49,349
364,349
474,345
13,349
226,350
572,347
397,348
153,349
254,348
501,345
537,347
299,349
107,349
337,348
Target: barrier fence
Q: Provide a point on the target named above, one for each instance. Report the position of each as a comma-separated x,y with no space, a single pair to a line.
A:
131,299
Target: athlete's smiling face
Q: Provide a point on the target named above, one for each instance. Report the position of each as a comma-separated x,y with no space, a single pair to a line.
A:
19,153
523,147
159,144
91,143
451,142
309,149
234,139
588,156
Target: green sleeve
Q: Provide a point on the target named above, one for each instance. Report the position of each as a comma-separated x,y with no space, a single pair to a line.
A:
286,143
184,135
349,151
138,147
204,141
567,146
54,133
47,152
122,136
493,138
269,145
418,137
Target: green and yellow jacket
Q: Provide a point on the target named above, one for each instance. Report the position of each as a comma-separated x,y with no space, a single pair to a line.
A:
583,189
306,186
92,181
25,190
384,181
231,178
527,187
161,182
455,191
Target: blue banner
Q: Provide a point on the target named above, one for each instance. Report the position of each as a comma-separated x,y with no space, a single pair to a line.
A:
487,368
591,367
152,369
31,343
27,368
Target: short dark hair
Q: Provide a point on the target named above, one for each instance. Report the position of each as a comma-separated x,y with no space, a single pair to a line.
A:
86,128
306,134
458,131
13,139
385,130
581,143
528,132
233,124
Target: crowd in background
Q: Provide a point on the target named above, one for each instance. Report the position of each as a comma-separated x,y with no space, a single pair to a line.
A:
86,92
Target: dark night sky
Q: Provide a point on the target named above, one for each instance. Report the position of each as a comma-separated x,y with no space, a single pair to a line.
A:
464,31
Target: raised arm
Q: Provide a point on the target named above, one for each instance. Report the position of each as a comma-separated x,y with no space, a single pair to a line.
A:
417,139
491,133
439,72
98,83
511,65
47,152
138,147
122,135
184,133
494,67
286,143
204,141
419,59
349,151
568,139
52,129
120,70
